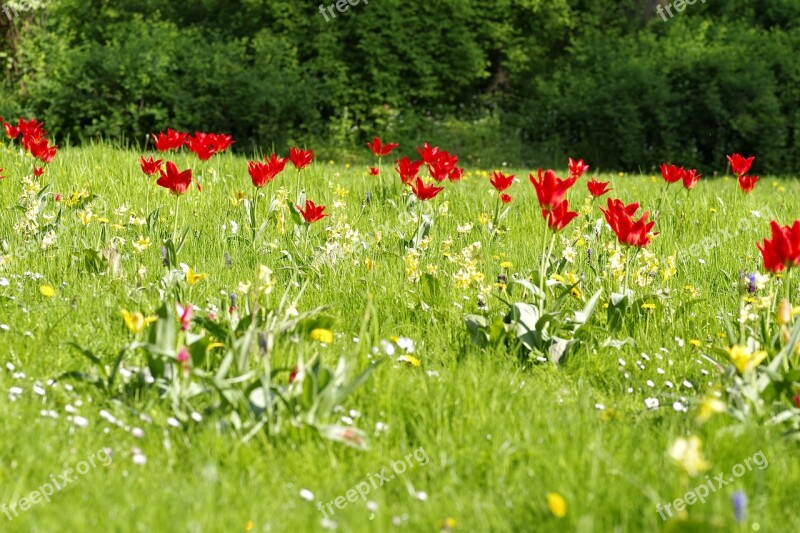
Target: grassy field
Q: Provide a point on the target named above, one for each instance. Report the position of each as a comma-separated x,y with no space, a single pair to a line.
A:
484,435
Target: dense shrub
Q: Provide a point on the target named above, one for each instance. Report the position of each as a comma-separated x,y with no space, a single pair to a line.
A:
541,78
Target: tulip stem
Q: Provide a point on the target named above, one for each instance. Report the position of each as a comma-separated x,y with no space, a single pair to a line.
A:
175,227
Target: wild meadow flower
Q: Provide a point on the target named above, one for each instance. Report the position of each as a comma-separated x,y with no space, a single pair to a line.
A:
557,504
687,454
322,335
47,291
739,500
745,359
192,277
136,322
708,408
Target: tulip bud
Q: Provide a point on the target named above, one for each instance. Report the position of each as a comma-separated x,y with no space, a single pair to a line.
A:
784,313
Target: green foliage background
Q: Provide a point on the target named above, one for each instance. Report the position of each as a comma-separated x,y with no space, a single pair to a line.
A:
524,81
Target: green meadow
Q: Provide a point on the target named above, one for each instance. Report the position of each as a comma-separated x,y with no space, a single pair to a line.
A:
449,428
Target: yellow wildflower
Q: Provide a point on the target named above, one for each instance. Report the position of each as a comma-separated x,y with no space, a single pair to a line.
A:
687,454
557,504
324,336
47,291
136,322
193,277
744,359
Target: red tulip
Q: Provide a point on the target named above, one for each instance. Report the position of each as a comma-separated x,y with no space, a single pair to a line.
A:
456,174
41,150
261,173
748,183
220,141
505,198
374,171
671,173
783,251
301,158
740,165
407,169
559,217
425,192
312,213
1,174
629,231
171,140
37,171
202,145
500,181
150,166
11,130
550,190
443,166
427,153
577,168
597,188
177,182
380,149
690,179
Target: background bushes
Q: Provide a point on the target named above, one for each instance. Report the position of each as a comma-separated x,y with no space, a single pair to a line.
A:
523,81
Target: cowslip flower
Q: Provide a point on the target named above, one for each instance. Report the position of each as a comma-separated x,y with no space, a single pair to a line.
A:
261,173
577,168
740,165
598,188
425,192
559,217
312,212
150,166
301,158
408,169
380,149
747,183
171,140
177,182
500,181
783,250
551,190
629,231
